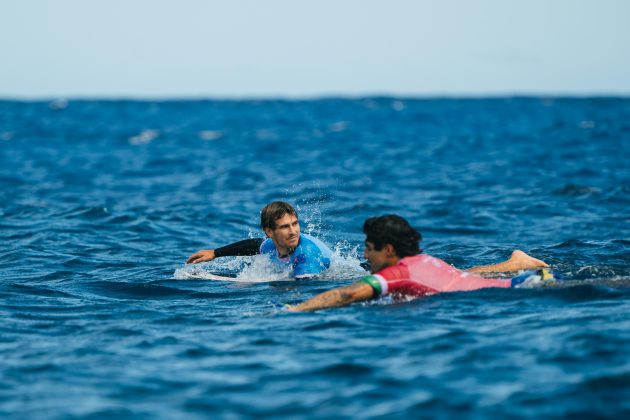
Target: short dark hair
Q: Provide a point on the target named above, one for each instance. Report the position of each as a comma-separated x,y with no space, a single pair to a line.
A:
394,230
273,211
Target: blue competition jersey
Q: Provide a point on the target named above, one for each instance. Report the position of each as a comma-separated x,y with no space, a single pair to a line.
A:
311,256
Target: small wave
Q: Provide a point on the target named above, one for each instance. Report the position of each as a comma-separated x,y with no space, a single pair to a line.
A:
576,292
81,212
612,380
344,369
198,352
118,290
38,291
122,332
459,230
145,137
210,135
329,325
574,243
576,190
603,272
338,126
591,269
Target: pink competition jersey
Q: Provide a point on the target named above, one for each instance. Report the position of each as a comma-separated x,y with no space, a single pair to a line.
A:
423,275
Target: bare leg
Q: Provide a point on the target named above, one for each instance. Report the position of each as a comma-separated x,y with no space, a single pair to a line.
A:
518,261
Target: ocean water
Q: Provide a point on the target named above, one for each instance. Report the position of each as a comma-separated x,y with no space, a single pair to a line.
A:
101,202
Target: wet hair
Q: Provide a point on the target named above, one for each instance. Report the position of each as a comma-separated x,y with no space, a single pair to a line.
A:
394,230
273,211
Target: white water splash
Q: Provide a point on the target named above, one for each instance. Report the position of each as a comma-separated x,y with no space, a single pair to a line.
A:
210,135
258,269
255,269
145,137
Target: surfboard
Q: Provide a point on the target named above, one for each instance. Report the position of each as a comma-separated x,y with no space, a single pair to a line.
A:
195,273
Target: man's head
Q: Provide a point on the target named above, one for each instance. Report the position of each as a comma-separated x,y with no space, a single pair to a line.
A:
388,239
280,223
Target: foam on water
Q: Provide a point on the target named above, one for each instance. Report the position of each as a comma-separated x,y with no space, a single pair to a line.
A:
257,269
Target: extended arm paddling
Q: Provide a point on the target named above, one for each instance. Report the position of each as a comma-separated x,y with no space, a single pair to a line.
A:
340,296
240,248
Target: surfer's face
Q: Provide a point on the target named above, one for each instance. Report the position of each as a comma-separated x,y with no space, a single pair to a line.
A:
286,235
379,259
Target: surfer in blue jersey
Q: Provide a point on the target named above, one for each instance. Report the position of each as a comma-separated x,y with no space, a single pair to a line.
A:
304,255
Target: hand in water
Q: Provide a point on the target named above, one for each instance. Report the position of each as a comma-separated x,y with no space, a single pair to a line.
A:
283,306
201,256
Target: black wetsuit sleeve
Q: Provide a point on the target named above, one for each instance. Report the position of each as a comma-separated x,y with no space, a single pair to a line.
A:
240,248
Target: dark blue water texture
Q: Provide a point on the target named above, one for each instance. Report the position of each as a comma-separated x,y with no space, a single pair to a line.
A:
101,202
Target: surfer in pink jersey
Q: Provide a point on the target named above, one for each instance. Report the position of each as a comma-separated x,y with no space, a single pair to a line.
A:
400,268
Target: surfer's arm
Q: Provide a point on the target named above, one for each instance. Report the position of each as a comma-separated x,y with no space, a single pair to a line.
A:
237,249
341,296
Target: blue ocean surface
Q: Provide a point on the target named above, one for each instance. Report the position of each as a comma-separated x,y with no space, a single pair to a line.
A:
101,202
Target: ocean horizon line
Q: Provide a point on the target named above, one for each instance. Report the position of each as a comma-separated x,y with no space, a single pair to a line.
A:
307,98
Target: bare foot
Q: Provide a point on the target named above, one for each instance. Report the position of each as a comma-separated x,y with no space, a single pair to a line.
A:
518,261
522,260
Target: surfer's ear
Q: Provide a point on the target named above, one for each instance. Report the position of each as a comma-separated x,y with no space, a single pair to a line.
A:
389,249
268,232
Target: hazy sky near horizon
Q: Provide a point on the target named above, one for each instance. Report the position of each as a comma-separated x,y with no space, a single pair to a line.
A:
288,48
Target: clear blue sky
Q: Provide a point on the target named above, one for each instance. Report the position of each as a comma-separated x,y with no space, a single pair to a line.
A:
293,48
